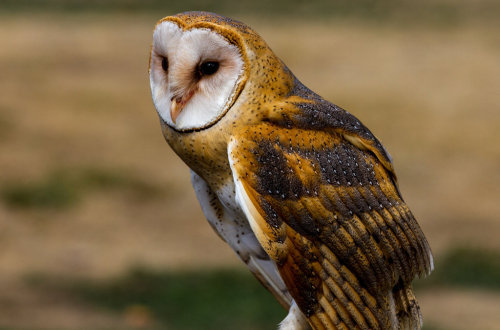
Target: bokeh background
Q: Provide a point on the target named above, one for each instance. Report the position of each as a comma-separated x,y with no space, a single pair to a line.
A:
99,226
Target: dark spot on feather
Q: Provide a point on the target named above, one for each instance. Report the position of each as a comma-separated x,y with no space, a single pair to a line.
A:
274,177
272,217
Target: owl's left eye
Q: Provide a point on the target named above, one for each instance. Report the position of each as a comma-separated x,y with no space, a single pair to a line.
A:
208,68
164,63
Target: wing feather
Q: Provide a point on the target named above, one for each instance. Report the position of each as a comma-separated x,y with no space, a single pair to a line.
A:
327,210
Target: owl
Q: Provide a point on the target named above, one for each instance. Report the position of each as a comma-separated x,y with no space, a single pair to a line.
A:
299,188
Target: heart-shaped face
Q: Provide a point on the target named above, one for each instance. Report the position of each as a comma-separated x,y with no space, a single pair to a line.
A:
195,75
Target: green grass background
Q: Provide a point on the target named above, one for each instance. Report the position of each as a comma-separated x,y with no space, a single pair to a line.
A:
223,298
421,12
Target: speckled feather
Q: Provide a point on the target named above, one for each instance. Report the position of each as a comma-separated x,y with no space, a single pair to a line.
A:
343,233
318,188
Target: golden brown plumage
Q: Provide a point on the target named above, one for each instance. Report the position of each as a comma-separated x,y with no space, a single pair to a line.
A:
310,185
330,216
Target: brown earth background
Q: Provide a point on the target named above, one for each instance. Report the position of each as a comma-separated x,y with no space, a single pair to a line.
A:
90,190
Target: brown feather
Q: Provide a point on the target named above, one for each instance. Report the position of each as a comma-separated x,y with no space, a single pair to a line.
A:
350,239
318,189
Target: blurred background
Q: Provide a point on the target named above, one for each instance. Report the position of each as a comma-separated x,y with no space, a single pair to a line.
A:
99,226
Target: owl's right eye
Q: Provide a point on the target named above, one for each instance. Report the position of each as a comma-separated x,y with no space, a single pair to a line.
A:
164,64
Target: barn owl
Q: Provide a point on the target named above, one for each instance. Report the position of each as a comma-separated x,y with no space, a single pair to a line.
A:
299,188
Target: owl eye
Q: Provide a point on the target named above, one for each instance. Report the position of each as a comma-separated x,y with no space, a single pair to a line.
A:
164,63
208,68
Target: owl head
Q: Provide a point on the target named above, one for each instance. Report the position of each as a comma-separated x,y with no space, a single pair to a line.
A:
201,64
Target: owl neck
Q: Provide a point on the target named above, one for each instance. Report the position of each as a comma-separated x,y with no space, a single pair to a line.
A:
205,152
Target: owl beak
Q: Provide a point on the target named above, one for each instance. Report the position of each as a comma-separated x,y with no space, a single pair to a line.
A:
175,108
177,104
